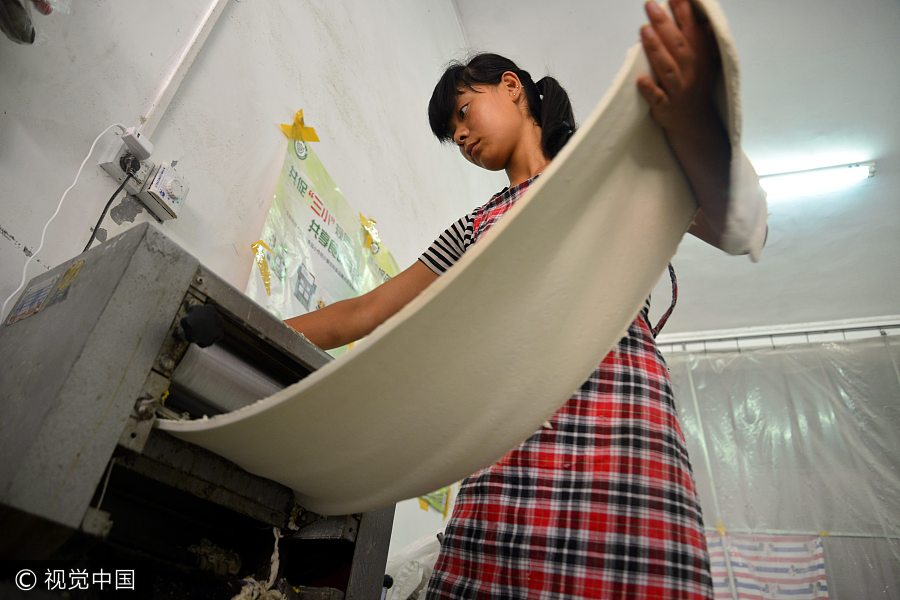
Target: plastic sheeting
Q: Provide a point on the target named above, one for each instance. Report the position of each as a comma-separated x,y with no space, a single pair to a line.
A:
802,439
411,569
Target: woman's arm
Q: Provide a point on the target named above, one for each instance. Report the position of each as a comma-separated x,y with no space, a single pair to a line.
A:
349,320
685,60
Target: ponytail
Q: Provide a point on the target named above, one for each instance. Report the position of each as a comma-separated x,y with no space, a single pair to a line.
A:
557,119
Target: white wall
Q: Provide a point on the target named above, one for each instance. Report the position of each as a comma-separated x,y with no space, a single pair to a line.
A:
412,524
362,72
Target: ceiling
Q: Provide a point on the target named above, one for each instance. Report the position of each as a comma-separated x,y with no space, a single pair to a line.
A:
820,86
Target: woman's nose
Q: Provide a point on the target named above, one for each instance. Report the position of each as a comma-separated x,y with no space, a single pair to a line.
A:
460,135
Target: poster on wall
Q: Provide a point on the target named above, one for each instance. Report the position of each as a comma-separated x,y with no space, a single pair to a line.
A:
315,249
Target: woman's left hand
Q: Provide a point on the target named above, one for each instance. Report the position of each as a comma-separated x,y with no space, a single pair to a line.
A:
685,60
684,57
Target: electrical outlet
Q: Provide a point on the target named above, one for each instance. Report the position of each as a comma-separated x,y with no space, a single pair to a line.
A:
117,159
165,193
159,187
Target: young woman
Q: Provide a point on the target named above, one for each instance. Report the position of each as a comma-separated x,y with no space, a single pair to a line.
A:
600,504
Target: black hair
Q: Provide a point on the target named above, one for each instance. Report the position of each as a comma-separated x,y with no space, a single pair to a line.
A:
548,102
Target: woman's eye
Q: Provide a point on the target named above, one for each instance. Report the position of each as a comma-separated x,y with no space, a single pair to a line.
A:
463,111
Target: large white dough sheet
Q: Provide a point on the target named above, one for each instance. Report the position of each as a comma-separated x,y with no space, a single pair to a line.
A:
476,363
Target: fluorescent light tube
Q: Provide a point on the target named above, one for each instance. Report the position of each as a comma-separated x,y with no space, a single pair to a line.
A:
815,182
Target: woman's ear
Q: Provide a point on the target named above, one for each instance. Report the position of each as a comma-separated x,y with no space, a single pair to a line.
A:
510,83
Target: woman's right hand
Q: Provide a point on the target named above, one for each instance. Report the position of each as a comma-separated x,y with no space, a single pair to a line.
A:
349,320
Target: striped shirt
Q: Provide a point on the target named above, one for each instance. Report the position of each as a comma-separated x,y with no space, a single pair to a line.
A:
449,246
456,239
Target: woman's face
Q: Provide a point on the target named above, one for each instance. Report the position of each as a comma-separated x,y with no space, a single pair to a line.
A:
488,123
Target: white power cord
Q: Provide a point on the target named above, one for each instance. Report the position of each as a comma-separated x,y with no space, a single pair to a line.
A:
58,206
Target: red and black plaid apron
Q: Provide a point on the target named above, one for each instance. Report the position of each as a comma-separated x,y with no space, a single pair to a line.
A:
601,504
